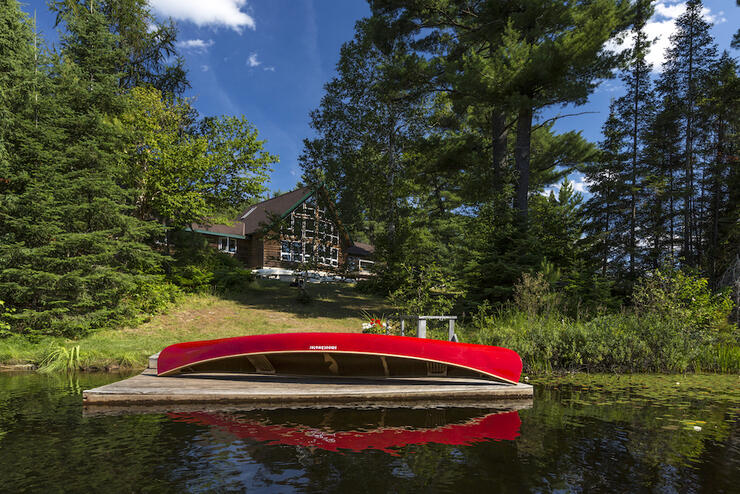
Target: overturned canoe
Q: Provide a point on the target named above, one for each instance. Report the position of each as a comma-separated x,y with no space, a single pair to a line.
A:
342,354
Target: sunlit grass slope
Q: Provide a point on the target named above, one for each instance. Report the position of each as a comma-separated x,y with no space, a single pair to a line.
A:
266,307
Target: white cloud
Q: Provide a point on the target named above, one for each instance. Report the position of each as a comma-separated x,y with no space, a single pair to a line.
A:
252,60
659,29
195,44
227,13
205,68
577,181
270,68
580,185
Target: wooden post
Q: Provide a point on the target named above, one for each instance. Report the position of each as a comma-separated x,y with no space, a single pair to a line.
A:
422,328
452,329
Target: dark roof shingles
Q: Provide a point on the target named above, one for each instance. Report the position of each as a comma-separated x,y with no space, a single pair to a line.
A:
254,217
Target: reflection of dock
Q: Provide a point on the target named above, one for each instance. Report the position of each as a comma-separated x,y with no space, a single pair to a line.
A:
264,391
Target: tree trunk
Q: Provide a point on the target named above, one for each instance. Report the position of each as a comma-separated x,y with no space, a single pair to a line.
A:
633,191
499,136
688,193
391,184
522,157
716,192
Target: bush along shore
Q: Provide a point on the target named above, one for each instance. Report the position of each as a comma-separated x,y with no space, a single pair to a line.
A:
675,324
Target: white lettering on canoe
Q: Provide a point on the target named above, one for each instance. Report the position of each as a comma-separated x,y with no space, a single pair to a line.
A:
322,347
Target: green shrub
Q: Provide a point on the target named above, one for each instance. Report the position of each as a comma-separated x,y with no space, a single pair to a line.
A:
677,325
671,293
232,280
424,290
4,325
154,296
192,279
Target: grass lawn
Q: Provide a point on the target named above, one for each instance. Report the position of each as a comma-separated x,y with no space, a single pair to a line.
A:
266,307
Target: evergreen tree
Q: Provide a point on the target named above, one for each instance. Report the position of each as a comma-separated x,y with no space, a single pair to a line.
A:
720,109
689,60
663,149
366,122
606,208
76,254
147,46
632,114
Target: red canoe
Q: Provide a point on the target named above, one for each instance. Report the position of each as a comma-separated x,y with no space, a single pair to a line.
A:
493,426
342,354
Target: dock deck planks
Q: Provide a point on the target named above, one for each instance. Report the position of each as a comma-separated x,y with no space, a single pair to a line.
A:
271,391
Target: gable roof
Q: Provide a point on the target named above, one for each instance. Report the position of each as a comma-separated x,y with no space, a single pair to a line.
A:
254,217
234,231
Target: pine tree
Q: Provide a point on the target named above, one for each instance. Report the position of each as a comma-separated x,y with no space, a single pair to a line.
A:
688,62
635,110
366,122
605,208
148,55
720,109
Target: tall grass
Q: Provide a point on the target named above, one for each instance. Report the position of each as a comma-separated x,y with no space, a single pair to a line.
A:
620,342
675,325
60,358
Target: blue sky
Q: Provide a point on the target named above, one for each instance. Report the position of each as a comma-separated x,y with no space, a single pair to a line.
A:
269,60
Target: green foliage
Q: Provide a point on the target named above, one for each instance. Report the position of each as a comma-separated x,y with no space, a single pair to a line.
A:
199,268
672,293
60,358
155,296
424,290
186,177
4,325
677,325
533,295
97,155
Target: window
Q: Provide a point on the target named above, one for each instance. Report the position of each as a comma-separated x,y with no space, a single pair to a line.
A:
307,251
309,206
310,228
297,252
284,251
352,263
334,257
226,244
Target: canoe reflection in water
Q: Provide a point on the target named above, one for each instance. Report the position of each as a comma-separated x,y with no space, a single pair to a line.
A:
358,430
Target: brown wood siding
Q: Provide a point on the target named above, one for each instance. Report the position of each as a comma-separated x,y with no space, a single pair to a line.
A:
271,253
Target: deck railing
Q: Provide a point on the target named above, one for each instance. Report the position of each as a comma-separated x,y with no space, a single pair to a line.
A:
421,325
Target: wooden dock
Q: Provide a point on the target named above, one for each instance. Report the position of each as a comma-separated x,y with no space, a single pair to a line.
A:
280,391
190,391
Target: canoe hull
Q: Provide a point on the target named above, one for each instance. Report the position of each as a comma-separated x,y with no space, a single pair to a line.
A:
341,354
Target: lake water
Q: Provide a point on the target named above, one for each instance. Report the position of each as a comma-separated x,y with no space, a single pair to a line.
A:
582,433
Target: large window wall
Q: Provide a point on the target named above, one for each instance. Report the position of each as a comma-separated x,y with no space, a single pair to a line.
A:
308,235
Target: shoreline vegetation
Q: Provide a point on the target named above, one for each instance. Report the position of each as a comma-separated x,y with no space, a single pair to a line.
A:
662,333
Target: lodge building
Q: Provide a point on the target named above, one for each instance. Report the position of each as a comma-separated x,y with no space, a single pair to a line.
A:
299,229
